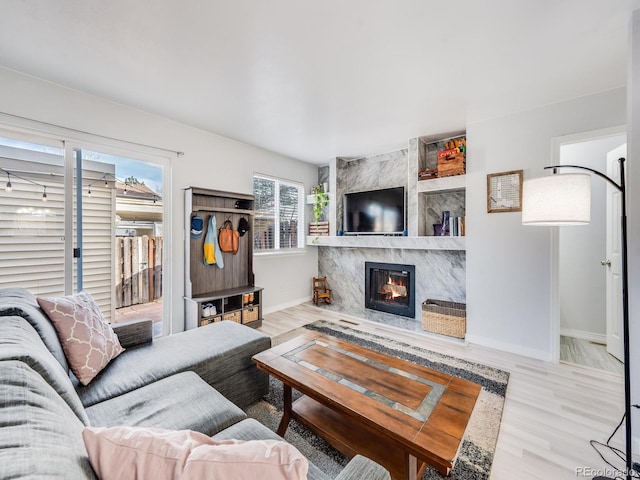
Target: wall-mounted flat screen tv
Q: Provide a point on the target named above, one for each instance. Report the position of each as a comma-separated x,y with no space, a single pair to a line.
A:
380,212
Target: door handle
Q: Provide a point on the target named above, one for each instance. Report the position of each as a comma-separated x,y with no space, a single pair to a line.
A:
606,263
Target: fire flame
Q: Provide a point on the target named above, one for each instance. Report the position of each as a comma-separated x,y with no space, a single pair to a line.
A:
394,289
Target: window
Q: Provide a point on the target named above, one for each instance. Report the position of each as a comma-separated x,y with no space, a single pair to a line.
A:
68,223
279,214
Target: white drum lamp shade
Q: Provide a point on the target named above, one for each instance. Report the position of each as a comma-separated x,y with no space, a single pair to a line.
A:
559,199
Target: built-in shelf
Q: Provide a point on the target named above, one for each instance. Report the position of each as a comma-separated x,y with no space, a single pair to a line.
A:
378,241
455,182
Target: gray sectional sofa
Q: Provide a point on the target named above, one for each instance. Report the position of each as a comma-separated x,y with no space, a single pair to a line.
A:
196,380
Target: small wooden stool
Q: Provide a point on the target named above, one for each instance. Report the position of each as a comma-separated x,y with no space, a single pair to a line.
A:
320,290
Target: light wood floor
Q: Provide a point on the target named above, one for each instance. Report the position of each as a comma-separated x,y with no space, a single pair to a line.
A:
589,354
551,411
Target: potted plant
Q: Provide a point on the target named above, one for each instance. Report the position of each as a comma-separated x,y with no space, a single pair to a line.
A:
320,200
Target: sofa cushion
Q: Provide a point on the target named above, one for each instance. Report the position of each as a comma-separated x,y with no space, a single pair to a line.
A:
20,341
40,437
214,352
180,402
251,429
136,452
22,303
87,339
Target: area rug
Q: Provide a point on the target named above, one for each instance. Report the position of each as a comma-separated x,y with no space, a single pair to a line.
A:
479,443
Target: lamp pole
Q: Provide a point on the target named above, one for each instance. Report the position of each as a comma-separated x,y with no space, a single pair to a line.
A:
625,307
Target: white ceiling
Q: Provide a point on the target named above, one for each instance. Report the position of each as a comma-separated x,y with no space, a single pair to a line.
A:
315,79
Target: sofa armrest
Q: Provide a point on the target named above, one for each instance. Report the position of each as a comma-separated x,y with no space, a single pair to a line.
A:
362,468
133,332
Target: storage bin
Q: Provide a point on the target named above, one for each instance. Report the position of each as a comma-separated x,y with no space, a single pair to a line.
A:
207,320
249,314
233,316
444,318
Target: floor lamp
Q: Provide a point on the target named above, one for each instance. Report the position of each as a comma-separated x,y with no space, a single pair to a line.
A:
565,199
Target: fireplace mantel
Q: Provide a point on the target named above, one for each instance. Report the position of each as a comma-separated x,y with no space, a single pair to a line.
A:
381,241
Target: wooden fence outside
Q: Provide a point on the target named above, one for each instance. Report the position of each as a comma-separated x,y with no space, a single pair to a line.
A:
138,270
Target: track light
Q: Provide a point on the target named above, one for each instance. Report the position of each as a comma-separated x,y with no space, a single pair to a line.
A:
9,187
44,194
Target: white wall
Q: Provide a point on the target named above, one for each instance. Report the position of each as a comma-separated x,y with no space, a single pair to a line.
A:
509,266
633,215
582,277
209,161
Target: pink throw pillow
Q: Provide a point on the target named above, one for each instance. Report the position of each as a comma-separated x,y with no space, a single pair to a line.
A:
122,453
88,341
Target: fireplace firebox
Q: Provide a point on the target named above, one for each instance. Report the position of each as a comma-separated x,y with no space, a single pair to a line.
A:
390,287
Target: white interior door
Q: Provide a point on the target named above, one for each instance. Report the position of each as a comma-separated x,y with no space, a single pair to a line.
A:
613,262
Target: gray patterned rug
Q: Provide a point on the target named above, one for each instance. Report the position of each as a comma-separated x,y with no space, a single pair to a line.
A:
479,443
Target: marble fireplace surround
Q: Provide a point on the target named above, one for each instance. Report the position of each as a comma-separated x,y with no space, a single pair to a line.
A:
440,273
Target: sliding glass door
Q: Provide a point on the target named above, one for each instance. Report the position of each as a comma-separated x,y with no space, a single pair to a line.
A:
77,219
32,227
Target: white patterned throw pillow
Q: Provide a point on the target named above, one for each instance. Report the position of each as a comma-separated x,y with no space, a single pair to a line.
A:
88,341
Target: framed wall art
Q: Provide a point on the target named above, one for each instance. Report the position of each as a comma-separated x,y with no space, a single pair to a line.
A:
504,192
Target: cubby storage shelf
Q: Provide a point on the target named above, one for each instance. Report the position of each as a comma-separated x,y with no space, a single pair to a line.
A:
378,241
230,291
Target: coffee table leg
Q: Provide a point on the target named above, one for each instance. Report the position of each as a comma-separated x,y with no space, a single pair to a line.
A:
411,467
286,415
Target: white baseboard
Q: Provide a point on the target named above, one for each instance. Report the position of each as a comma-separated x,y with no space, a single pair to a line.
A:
509,347
592,337
282,306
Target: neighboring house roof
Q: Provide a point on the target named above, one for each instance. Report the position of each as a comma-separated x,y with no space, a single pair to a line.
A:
139,204
136,191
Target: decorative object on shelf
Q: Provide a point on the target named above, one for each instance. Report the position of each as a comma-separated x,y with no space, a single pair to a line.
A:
444,230
319,228
452,160
504,192
427,174
444,318
456,227
565,199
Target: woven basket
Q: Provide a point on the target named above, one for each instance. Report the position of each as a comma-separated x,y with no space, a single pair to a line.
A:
249,314
233,316
444,318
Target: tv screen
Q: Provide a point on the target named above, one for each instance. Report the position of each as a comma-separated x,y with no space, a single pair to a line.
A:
375,211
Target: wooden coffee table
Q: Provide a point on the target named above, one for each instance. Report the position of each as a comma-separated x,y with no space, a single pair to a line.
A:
402,415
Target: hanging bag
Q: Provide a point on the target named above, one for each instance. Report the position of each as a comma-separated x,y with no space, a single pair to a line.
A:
228,238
